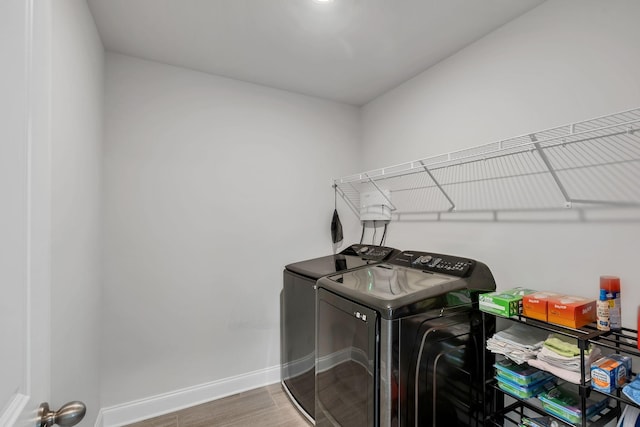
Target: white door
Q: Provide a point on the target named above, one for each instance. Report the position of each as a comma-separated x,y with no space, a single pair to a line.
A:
24,210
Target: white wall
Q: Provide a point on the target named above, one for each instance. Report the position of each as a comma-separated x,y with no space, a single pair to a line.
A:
211,187
14,191
559,63
76,159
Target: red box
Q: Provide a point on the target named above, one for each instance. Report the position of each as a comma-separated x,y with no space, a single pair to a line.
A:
535,305
571,311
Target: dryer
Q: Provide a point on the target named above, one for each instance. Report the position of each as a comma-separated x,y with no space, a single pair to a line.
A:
297,317
399,343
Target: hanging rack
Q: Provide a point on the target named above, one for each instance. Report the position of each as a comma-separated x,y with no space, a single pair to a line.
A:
593,163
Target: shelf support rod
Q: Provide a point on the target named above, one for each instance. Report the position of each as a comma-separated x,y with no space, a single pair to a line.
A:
435,181
552,171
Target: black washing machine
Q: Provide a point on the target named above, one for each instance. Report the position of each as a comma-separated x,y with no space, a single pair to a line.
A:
298,317
399,343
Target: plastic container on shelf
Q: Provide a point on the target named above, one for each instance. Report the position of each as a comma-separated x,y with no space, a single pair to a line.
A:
521,375
565,404
531,390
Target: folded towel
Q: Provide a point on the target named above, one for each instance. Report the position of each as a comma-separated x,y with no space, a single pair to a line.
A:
571,376
568,363
563,346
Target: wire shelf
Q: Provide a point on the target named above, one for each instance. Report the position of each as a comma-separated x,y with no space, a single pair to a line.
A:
593,163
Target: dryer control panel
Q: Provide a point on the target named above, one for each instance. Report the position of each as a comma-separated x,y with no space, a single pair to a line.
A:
437,263
370,252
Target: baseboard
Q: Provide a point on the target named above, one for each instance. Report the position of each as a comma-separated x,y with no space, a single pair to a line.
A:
99,422
131,412
13,409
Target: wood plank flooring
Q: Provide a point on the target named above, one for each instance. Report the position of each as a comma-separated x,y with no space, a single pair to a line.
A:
265,407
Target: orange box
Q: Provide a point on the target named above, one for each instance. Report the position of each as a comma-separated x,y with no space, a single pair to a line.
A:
571,311
535,305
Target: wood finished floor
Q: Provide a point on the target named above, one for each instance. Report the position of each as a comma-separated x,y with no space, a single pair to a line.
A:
265,407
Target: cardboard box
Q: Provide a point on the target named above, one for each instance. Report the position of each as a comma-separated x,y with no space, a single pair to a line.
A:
535,305
504,303
609,373
571,311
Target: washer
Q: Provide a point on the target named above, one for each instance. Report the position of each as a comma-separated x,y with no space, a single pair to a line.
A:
399,343
298,321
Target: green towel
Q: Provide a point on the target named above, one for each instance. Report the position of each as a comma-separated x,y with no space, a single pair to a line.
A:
562,346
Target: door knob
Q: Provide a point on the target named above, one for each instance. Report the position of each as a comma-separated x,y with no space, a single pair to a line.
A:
69,415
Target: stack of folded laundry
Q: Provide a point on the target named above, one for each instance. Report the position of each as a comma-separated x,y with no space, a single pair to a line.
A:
519,343
561,357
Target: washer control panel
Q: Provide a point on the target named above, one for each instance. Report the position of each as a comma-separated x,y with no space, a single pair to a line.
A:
371,252
437,263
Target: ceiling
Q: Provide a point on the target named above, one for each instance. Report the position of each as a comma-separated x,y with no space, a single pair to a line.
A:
349,51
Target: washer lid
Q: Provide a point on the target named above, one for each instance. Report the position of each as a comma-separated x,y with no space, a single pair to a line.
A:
389,283
353,256
393,290
331,264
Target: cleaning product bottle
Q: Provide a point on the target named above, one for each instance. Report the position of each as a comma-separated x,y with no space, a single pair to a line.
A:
612,285
602,311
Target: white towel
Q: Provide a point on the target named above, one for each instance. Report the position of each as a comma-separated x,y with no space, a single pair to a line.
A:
571,376
568,363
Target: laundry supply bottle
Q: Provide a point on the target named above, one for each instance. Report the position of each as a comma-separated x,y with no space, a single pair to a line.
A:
612,285
602,311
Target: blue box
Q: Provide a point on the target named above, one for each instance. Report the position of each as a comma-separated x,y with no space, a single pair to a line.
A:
610,372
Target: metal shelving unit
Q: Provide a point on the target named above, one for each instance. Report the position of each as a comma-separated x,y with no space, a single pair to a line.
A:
593,163
624,342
